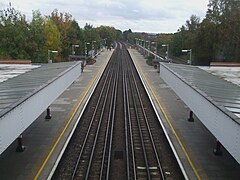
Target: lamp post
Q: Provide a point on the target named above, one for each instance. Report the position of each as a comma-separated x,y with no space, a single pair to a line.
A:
105,42
48,116
85,47
190,52
93,47
73,46
136,41
153,42
147,46
166,45
49,55
100,45
140,42
143,46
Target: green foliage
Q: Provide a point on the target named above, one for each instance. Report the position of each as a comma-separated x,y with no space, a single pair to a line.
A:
75,37
108,33
216,38
13,34
63,21
53,37
38,39
177,44
20,39
119,35
90,36
149,60
126,34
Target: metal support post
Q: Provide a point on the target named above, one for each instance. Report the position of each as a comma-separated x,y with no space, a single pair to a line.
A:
217,150
20,147
48,116
82,66
191,119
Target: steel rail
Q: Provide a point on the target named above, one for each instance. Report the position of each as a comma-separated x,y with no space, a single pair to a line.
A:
147,124
130,128
151,136
113,122
126,126
98,130
110,119
148,127
140,130
106,138
89,128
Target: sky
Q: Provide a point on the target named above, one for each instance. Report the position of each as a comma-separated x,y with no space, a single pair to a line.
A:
151,16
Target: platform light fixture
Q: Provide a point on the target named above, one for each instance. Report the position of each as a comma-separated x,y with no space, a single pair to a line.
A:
73,46
93,47
154,42
190,52
166,45
85,47
136,41
105,42
147,45
49,53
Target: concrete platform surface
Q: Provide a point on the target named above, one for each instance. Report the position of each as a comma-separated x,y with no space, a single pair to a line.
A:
192,141
44,139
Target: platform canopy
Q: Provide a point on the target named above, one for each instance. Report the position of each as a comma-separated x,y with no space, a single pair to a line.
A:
25,97
215,101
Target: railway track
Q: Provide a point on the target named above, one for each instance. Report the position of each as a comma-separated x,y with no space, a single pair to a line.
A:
118,136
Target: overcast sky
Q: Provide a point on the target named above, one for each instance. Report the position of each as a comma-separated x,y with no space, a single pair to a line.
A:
153,16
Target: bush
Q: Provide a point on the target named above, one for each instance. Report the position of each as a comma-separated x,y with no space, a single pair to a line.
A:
90,60
150,60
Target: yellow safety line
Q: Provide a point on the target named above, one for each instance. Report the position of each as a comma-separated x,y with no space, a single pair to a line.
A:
170,124
66,126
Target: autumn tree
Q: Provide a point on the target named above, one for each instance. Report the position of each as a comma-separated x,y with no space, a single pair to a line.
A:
53,37
63,21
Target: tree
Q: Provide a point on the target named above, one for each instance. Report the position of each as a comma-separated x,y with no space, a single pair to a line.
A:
53,37
119,35
37,37
176,44
163,39
193,23
225,14
14,34
126,33
106,32
206,41
63,21
75,36
91,35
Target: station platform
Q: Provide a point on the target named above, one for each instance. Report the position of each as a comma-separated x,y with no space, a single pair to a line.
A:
193,142
44,139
